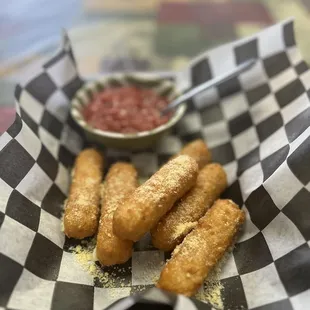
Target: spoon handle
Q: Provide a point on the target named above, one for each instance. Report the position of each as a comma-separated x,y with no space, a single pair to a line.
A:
214,82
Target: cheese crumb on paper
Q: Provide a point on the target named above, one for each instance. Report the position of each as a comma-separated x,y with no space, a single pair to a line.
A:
83,254
211,292
212,289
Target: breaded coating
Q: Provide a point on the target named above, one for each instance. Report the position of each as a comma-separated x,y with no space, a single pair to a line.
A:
149,202
121,181
184,215
198,150
82,207
199,252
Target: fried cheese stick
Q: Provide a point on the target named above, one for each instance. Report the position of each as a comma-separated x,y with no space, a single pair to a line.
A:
193,259
82,207
149,202
121,180
198,150
183,217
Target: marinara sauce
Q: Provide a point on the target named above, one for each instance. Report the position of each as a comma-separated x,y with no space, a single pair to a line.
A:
126,109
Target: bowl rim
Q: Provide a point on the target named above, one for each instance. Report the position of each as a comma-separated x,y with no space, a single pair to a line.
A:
179,112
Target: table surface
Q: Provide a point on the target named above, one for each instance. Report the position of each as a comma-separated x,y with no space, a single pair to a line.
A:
114,35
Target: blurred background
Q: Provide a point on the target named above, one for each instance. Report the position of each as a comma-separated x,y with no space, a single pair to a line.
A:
118,35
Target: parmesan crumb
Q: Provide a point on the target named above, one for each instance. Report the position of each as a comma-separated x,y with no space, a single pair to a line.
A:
84,255
62,225
183,229
212,287
211,291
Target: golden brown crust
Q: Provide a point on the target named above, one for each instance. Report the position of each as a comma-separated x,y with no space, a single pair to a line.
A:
82,208
198,150
193,259
149,202
121,181
183,217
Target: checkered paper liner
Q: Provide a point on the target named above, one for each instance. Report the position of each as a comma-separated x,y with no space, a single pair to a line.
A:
257,127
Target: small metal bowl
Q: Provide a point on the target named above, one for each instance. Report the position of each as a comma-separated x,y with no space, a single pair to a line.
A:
163,86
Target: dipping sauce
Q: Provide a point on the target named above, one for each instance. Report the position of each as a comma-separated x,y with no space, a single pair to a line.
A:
126,110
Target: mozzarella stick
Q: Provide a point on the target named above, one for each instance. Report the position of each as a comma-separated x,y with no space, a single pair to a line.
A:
149,202
198,150
194,258
121,180
183,217
82,207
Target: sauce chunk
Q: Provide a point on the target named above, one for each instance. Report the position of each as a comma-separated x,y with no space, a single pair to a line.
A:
126,110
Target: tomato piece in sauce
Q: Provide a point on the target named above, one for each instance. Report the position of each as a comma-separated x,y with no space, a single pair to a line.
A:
126,109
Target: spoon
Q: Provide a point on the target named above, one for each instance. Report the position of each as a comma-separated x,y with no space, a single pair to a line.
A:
214,82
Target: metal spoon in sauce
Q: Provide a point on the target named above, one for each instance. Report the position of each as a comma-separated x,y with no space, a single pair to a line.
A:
214,82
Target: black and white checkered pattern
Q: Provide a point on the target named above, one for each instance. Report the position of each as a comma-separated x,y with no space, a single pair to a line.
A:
257,126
